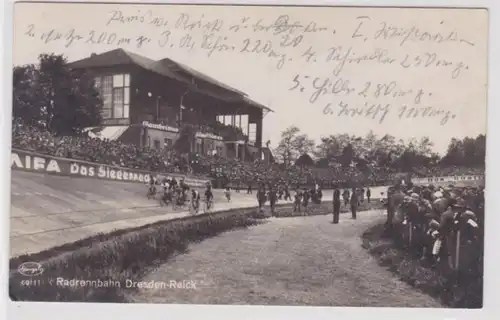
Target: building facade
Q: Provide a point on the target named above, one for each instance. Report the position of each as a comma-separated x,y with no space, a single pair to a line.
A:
150,103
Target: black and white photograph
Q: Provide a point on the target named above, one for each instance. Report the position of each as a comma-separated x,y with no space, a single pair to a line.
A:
248,155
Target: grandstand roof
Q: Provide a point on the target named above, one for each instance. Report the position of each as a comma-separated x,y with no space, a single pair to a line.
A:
179,67
170,69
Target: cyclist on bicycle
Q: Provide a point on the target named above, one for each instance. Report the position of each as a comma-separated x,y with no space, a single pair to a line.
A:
195,199
209,196
151,185
184,188
167,192
227,193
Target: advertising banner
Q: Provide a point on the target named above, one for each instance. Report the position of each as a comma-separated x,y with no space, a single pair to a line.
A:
34,162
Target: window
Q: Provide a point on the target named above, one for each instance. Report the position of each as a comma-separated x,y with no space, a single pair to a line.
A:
107,99
115,94
118,81
157,144
252,134
118,102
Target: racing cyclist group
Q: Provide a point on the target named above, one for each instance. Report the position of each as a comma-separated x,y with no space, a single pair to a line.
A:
176,193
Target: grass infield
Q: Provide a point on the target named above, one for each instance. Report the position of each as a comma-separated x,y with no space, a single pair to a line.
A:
128,254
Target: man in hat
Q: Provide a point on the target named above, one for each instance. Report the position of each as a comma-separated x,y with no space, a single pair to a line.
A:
346,196
297,200
415,220
336,205
261,197
447,228
354,203
272,198
432,242
306,196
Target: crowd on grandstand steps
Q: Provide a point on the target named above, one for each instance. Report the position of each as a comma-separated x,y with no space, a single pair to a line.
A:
96,150
236,173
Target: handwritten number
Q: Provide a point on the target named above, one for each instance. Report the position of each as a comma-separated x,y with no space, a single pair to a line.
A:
365,89
246,43
91,37
296,81
165,36
111,38
384,89
405,64
287,41
257,45
30,32
102,37
309,54
267,47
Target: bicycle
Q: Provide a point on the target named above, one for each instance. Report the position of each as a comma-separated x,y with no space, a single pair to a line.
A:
208,205
165,200
151,192
179,201
194,207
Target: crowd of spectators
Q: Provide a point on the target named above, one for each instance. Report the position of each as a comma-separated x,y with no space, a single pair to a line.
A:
227,132
225,170
97,150
424,172
444,227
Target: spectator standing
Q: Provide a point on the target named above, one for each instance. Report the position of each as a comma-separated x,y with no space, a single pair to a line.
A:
306,196
354,203
272,199
336,205
346,195
261,197
297,201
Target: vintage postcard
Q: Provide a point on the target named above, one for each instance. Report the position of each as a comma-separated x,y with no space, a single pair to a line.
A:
248,155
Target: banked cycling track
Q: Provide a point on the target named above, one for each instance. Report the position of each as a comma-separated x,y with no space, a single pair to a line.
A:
48,210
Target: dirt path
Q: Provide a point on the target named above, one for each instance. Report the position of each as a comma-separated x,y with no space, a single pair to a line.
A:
291,261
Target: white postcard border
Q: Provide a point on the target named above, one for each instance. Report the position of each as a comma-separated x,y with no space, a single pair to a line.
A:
32,310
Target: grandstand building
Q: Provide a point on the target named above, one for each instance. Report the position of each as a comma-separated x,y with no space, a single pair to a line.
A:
149,103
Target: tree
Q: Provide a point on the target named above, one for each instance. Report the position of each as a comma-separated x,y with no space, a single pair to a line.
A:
330,149
466,152
454,154
292,145
24,99
53,96
347,155
304,160
302,144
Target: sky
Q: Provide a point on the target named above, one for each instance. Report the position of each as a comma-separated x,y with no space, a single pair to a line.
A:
404,72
